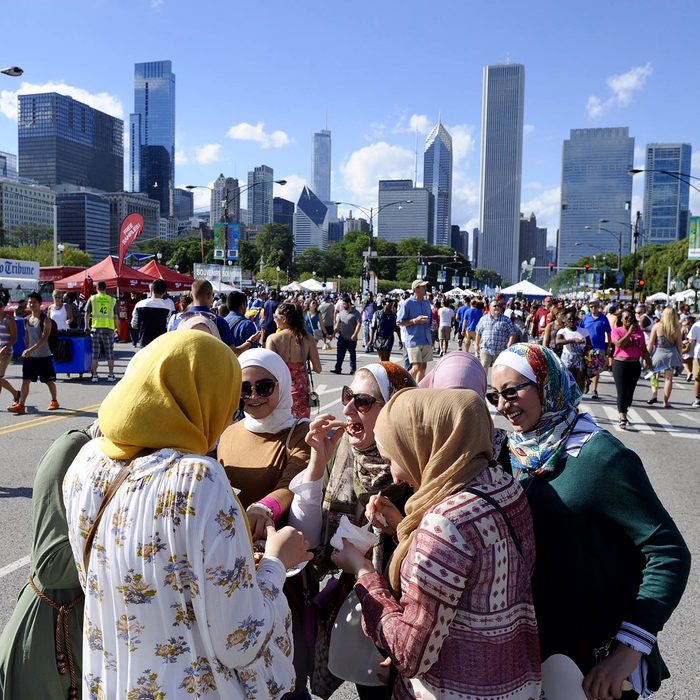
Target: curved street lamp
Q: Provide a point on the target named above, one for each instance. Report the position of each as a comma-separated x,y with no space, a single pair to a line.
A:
12,71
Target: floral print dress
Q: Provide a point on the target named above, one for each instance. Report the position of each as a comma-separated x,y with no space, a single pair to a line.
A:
174,606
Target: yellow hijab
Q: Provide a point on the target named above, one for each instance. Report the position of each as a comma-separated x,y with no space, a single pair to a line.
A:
180,391
442,438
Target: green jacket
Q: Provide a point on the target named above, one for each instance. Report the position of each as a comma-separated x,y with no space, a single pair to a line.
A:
27,648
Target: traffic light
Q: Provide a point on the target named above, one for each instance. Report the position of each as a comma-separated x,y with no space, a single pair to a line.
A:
551,267
587,266
640,281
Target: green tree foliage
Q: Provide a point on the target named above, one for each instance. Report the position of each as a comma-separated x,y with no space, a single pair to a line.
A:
249,258
43,254
275,244
188,251
29,235
484,276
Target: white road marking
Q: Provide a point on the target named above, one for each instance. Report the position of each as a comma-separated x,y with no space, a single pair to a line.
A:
24,561
692,433
636,421
614,417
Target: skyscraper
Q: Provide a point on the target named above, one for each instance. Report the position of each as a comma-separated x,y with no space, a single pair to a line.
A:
321,165
260,195
501,168
595,185
8,165
225,192
666,198
283,212
533,244
437,179
65,142
82,219
310,223
397,219
152,133
183,207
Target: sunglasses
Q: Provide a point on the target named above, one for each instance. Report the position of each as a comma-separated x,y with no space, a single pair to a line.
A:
263,388
363,402
510,393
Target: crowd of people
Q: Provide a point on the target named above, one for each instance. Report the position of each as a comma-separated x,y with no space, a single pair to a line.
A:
214,540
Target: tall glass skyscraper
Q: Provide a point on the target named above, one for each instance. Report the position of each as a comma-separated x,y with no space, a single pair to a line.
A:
501,168
595,185
437,178
310,223
321,165
65,142
260,195
8,165
152,133
666,198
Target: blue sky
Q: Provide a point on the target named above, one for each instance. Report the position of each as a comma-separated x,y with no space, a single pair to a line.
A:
256,79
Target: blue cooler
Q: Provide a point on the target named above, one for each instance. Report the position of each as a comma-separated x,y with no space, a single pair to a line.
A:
81,354
19,347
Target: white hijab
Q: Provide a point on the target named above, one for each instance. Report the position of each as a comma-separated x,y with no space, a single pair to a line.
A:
281,418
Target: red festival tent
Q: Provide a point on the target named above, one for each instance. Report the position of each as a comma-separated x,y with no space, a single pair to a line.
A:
174,279
128,280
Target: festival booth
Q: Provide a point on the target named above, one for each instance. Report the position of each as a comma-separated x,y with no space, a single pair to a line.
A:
175,280
525,288
292,287
312,285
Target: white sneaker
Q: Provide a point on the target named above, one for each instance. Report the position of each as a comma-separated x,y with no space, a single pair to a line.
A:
111,378
95,378
695,404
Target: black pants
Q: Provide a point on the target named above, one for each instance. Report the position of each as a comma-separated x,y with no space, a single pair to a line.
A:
626,376
343,347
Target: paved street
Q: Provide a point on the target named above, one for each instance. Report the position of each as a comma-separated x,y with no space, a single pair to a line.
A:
667,440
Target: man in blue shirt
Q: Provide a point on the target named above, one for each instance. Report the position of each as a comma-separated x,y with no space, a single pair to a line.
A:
245,332
415,316
494,333
203,296
598,327
462,311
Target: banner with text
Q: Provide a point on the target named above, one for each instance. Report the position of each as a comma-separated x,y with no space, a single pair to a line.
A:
131,229
694,238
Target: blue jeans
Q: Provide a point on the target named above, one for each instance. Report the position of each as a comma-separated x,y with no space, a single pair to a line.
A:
343,347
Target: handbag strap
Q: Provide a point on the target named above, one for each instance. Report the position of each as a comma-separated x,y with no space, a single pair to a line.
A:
497,506
310,373
109,495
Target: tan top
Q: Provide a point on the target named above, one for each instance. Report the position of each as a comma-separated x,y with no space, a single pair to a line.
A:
256,463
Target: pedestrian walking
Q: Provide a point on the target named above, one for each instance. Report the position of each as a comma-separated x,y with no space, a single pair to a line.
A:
611,565
494,333
665,346
61,313
348,324
446,315
102,322
599,330
694,349
415,316
630,349
8,337
150,317
383,329
37,360
574,342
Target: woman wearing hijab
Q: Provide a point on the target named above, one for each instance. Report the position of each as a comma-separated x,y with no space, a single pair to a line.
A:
463,624
344,455
261,454
173,603
611,565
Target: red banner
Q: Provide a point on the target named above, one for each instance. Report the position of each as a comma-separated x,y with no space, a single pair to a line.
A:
131,229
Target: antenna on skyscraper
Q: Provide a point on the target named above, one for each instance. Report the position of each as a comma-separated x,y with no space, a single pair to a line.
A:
415,161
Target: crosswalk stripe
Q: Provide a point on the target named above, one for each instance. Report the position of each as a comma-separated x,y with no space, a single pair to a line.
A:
638,423
612,414
692,433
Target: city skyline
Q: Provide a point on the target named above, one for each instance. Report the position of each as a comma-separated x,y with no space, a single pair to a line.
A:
373,117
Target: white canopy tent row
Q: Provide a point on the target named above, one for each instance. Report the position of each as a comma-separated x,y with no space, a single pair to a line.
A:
526,289
312,285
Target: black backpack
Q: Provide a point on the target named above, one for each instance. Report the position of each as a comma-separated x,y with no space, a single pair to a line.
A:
53,333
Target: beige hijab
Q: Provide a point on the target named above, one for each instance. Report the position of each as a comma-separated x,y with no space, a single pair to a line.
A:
442,438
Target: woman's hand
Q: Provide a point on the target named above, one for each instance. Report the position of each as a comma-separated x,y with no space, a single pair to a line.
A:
351,559
259,521
288,545
321,438
604,681
381,505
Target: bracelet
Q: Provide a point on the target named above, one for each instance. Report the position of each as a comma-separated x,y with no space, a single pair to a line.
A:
261,507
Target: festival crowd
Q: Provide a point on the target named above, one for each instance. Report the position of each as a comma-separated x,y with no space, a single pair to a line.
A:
208,536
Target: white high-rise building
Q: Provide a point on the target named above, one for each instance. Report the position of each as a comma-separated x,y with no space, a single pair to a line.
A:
321,165
310,223
403,211
225,192
501,169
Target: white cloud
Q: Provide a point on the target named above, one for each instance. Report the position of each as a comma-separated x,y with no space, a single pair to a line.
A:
640,156
180,157
623,88
376,131
365,167
462,141
528,129
546,207
209,153
695,161
156,3
247,132
293,188
100,100
416,122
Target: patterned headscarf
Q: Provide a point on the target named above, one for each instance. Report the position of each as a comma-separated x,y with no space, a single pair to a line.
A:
538,450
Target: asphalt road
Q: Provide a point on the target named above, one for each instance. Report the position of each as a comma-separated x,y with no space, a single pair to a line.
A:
667,440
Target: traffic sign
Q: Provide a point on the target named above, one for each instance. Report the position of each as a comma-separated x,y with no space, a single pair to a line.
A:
619,277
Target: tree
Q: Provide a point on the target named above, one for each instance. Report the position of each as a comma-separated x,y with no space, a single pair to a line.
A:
188,251
312,259
484,277
43,254
248,256
29,235
276,245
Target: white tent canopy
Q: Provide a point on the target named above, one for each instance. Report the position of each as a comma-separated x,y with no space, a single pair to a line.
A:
659,296
454,292
292,287
312,285
526,288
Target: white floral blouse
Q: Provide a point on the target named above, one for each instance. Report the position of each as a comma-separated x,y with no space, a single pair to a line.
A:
173,604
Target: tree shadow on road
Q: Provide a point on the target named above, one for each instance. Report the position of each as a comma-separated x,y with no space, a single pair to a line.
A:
20,492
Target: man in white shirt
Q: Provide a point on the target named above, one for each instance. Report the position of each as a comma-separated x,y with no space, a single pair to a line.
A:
694,338
446,314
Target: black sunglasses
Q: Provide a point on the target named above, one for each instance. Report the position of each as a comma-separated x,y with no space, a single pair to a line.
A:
363,402
510,393
263,388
